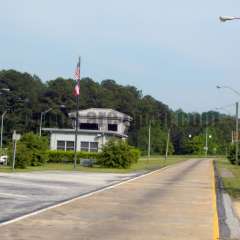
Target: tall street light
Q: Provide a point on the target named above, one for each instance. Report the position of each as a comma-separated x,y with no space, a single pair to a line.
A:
41,119
149,140
237,126
207,136
62,108
2,90
228,18
2,118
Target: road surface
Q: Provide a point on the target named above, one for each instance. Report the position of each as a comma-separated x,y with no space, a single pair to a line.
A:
173,203
21,193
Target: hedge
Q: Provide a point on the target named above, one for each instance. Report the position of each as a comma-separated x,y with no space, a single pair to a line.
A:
55,156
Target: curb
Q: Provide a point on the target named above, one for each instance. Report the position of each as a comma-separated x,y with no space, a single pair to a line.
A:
216,233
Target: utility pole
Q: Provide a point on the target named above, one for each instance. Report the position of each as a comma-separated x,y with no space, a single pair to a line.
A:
40,128
167,145
2,118
237,131
206,143
149,141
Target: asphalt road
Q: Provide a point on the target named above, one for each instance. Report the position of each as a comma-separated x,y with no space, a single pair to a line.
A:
173,203
21,193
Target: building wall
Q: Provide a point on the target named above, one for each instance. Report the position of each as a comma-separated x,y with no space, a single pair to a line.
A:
81,138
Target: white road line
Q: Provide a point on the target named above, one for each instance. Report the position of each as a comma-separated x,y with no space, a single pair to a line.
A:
13,195
86,195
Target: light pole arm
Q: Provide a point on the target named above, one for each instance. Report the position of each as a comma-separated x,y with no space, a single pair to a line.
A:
227,18
230,88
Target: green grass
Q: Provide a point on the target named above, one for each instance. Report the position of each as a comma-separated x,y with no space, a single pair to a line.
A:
144,164
231,184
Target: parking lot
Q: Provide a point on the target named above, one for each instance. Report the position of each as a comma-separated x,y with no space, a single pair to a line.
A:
22,193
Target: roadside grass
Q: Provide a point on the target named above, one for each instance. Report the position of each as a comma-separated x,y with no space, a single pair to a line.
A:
231,184
144,164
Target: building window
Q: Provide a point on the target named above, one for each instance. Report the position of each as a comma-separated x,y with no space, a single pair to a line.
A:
69,146
93,146
89,126
84,146
61,145
113,127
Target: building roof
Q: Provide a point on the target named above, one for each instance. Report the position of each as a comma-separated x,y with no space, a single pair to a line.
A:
107,113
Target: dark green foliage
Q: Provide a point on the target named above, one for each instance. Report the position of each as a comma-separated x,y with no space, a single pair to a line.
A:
23,156
158,140
31,151
135,154
232,154
67,157
37,147
118,154
29,96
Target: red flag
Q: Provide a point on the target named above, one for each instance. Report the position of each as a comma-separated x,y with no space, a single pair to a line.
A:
76,91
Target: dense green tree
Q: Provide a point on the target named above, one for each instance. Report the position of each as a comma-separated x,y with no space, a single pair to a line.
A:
29,96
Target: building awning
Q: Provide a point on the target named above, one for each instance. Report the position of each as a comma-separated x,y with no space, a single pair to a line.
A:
83,131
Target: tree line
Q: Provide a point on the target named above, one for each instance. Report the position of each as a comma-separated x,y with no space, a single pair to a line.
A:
29,96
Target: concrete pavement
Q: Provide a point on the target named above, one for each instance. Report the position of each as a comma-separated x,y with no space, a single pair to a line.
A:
21,193
175,203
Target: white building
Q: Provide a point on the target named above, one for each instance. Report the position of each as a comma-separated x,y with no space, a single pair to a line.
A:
96,127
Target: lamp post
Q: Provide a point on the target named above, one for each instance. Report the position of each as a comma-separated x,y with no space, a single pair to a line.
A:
41,119
167,145
149,140
206,142
2,118
237,123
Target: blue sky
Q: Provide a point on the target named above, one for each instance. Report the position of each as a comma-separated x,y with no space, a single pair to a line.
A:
176,51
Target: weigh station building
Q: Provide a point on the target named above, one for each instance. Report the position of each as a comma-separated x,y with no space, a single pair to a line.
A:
96,127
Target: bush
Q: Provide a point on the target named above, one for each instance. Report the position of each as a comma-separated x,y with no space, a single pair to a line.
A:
23,156
68,157
232,154
31,151
135,152
38,146
118,154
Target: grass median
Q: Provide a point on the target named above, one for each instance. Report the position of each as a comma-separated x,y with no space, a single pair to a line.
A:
144,164
230,175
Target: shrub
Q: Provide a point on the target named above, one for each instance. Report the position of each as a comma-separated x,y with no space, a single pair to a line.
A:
37,146
118,154
31,151
68,157
23,156
136,153
232,154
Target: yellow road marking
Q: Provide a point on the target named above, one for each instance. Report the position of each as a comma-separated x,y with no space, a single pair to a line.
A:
216,235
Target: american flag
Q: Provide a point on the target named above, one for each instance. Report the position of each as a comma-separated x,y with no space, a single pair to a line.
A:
76,91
